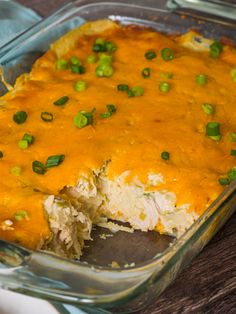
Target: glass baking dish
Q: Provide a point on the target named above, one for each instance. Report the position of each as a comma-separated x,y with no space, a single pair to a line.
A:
102,289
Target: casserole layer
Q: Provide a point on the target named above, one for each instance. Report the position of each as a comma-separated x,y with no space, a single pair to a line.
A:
113,166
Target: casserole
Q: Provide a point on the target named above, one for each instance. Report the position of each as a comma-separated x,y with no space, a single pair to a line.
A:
142,277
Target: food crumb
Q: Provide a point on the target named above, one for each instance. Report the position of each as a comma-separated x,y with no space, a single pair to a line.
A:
127,265
114,264
104,236
7,225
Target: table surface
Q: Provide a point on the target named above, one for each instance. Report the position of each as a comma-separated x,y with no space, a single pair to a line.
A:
208,285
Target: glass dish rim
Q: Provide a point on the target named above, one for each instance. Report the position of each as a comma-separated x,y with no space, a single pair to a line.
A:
203,217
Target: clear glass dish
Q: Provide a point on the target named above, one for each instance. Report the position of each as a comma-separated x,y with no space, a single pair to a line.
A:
101,288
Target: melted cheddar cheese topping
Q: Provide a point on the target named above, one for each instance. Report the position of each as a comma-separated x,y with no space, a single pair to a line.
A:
132,138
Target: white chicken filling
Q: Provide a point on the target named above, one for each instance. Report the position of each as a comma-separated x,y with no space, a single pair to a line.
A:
97,197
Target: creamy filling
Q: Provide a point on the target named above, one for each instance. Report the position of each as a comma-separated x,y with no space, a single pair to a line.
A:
95,198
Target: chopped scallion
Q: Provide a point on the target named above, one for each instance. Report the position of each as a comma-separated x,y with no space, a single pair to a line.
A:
61,64
165,155
232,137
46,116
80,86
29,138
208,109
167,54
201,79
122,87
54,161
16,171
233,152
75,60
20,215
105,59
130,93
77,68
61,101
164,87
104,70
213,131
20,117
224,181
110,110
216,49
146,72
110,47
83,118
232,174
23,144
137,91
149,55
38,167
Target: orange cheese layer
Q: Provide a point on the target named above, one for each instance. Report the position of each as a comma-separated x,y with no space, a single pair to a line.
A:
133,138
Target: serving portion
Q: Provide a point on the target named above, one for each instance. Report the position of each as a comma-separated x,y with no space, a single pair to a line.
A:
116,122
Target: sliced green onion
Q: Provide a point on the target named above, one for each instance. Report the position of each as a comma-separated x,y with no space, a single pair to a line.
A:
166,75
1,154
233,74
98,48
208,109
146,72
164,87
38,167
104,70
122,87
110,110
233,152
61,64
213,129
20,215
78,69
80,86
232,137
99,45
165,155
54,161
130,93
110,47
83,118
137,91
75,60
61,101
232,174
23,144
16,171
216,137
149,55
167,54
91,59
29,138
20,117
100,41
105,59
201,79
216,49
46,116
223,181
80,120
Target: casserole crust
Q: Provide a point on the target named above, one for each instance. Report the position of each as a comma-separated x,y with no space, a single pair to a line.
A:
127,124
